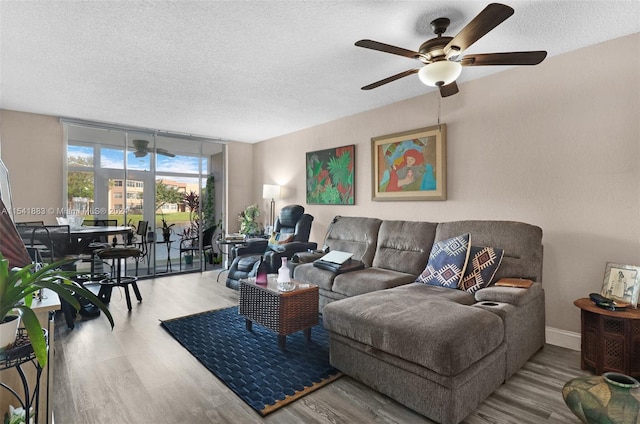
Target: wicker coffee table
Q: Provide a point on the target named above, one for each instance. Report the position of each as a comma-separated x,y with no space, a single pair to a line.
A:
281,312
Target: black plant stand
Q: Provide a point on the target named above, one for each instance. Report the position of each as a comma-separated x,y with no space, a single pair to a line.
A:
17,356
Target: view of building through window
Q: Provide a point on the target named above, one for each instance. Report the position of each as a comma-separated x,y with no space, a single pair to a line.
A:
128,185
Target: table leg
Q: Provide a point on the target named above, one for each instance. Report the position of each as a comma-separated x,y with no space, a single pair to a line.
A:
248,324
307,334
282,342
169,257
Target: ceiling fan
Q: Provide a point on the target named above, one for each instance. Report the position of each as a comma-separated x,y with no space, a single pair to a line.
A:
440,55
142,149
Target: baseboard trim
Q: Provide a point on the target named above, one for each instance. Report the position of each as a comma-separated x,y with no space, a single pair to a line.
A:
563,338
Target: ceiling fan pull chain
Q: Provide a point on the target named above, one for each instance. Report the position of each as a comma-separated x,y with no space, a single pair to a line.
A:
439,104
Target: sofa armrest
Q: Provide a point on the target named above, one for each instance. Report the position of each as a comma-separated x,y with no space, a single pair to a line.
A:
274,258
288,249
252,246
511,295
306,257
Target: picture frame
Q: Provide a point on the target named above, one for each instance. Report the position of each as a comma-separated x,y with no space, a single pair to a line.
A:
621,283
330,176
410,165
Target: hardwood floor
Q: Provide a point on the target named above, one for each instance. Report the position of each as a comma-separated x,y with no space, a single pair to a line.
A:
138,373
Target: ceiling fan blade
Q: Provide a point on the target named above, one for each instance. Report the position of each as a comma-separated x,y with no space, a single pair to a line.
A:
490,17
390,79
165,153
449,89
515,58
387,48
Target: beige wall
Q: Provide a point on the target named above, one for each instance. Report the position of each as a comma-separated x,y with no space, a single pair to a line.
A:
33,151
556,145
239,190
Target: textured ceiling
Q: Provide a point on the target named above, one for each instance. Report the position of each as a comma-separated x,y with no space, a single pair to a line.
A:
253,70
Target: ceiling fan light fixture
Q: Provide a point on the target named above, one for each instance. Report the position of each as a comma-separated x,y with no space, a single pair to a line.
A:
439,73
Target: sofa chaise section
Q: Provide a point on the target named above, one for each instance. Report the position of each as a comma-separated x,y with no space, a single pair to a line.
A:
442,363
440,351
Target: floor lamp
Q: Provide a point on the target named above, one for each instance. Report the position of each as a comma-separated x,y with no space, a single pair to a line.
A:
271,191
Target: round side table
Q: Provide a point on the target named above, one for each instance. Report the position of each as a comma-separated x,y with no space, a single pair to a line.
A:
610,339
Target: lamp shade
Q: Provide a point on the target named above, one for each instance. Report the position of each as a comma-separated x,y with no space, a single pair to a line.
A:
439,73
270,191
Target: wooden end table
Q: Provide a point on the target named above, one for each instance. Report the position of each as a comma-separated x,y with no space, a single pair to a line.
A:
610,339
281,312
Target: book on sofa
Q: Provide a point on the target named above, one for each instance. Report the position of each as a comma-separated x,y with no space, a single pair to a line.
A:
336,257
522,283
338,262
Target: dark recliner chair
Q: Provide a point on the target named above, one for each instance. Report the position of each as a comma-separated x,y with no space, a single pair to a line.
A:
292,220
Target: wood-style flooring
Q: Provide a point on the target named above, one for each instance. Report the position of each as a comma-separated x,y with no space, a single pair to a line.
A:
138,373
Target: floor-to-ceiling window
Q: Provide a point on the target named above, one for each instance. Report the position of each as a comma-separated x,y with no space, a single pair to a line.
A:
147,181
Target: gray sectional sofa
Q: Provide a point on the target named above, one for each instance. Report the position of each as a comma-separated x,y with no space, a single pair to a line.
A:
437,350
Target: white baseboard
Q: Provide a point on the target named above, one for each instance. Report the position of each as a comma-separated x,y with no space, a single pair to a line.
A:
563,338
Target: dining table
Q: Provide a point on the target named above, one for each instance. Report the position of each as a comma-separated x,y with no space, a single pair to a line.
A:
82,236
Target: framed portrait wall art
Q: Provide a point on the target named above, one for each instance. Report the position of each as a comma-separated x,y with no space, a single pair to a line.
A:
410,165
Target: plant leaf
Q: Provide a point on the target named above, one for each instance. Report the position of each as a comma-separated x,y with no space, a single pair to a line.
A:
36,336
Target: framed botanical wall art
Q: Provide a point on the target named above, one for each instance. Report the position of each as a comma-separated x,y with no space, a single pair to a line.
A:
621,283
410,165
330,176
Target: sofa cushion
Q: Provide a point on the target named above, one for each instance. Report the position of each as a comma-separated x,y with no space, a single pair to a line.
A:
354,235
278,239
408,322
481,267
404,246
368,280
307,273
447,262
247,262
521,242
289,215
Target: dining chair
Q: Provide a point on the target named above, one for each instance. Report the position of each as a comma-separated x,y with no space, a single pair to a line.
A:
97,222
57,238
140,240
192,245
26,232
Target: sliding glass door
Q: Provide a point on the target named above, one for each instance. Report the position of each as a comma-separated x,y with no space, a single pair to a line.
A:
152,183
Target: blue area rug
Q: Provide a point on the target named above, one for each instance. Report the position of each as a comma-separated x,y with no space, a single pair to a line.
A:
250,362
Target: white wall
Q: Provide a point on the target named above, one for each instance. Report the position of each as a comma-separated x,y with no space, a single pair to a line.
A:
555,145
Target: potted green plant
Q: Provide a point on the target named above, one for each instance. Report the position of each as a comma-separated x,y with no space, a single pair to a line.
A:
18,286
18,416
166,230
189,237
248,220
209,203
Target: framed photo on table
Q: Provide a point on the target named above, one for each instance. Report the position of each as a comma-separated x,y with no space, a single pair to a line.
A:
622,283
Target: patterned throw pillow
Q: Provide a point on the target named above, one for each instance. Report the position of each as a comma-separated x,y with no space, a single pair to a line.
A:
447,262
278,239
482,267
